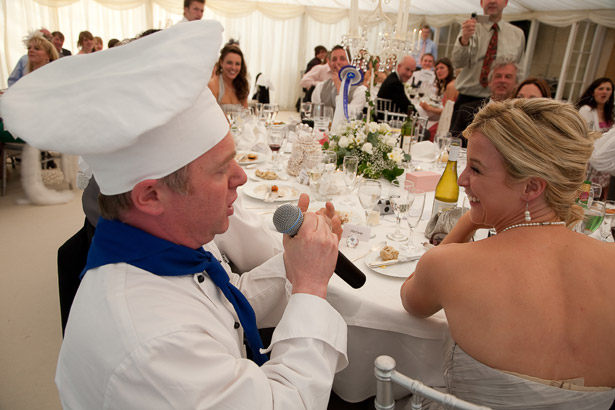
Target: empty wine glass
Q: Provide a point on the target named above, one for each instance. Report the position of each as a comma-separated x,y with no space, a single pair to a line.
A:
329,160
401,201
315,169
306,110
350,166
270,111
414,214
369,194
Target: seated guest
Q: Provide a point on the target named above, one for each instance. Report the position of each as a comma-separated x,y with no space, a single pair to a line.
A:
229,84
320,57
157,321
445,85
330,91
533,87
112,42
57,39
502,82
424,76
20,68
85,42
98,44
596,107
317,74
531,310
40,51
393,87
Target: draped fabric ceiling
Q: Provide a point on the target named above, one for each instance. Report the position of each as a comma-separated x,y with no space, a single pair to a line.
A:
277,36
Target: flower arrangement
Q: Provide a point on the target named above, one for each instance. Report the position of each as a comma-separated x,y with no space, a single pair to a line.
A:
374,144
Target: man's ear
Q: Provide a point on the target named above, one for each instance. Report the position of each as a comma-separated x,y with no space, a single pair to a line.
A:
534,187
147,197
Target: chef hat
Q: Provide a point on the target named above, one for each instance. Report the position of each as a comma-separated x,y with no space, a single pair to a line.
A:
135,112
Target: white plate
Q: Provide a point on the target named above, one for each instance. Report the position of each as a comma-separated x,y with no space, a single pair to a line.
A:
252,175
285,192
242,157
401,270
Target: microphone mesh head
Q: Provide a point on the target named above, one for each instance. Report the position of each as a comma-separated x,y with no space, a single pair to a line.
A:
288,219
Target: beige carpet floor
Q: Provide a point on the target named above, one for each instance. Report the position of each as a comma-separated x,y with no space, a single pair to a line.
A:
31,332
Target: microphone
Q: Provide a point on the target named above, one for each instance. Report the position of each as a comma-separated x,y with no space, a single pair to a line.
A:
288,219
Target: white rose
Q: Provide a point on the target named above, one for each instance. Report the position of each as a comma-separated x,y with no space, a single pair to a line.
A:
367,147
373,127
343,142
390,140
360,137
396,155
384,128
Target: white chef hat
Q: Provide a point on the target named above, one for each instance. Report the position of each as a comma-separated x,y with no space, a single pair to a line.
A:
135,112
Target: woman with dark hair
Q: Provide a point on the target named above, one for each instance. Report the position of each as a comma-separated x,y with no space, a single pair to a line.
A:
596,105
229,84
445,80
533,87
596,108
85,42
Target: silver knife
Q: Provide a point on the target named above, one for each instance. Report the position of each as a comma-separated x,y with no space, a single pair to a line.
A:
402,259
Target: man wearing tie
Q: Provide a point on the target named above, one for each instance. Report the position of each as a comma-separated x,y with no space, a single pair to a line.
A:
479,42
425,45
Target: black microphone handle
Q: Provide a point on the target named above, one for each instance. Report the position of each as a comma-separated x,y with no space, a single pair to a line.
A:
348,272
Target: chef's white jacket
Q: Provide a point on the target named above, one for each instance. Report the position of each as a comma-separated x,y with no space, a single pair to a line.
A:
135,340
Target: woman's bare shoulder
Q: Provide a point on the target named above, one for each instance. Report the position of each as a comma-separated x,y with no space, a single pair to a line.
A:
214,85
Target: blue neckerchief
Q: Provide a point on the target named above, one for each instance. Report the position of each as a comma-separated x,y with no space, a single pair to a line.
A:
116,242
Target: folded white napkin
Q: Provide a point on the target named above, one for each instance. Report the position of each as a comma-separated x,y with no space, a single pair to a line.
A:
253,137
424,151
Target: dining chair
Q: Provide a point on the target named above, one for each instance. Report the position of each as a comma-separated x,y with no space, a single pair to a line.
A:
383,105
386,375
394,119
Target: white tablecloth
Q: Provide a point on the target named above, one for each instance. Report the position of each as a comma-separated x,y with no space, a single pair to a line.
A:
377,322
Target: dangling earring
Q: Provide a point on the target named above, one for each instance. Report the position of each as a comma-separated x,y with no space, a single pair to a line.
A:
528,217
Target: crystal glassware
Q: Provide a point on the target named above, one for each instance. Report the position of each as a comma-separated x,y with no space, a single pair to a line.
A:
401,201
370,191
350,165
414,215
275,135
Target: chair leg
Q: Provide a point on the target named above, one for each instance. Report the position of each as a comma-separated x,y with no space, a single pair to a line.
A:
3,170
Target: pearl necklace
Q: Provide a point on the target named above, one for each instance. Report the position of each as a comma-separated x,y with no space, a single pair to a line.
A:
533,224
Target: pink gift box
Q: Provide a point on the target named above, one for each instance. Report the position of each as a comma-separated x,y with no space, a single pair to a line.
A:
424,180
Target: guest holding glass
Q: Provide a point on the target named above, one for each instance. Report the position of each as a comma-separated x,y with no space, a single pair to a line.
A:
533,87
229,82
531,310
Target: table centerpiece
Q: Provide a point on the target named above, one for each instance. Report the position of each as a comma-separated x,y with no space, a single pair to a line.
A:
374,144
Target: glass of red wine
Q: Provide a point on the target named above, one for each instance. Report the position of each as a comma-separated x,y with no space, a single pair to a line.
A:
276,135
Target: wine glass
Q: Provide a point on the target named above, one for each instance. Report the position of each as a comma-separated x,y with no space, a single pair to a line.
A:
269,112
414,215
595,191
401,201
593,217
369,194
315,169
329,161
306,110
350,166
276,136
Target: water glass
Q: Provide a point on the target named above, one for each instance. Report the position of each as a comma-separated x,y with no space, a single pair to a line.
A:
370,191
414,215
401,202
270,111
350,166
306,110
593,217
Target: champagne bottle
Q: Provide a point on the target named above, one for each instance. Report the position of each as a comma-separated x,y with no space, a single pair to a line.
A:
447,190
407,130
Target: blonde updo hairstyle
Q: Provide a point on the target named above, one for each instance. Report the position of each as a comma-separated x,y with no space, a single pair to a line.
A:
542,138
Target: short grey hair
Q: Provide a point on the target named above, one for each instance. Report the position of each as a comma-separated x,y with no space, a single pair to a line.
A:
502,61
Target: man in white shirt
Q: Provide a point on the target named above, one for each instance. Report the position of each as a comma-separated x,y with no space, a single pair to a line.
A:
330,91
480,41
193,10
424,76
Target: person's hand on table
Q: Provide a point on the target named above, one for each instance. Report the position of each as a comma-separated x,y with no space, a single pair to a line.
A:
328,211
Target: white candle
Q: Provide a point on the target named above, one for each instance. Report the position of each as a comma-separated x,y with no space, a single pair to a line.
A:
400,17
354,17
406,14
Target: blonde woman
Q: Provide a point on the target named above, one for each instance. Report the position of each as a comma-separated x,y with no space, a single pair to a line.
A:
40,51
531,310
